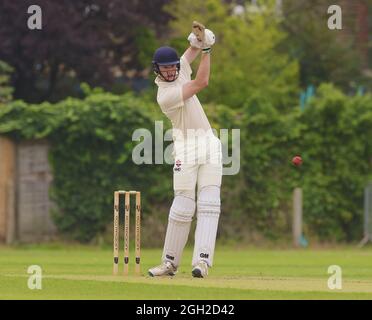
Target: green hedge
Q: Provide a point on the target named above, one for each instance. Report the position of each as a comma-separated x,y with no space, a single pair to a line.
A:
334,137
336,140
91,156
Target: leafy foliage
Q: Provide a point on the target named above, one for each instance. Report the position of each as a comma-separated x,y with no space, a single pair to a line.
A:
91,147
76,36
245,59
5,90
337,152
324,55
91,155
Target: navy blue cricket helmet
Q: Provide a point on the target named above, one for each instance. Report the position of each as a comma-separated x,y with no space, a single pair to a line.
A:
164,56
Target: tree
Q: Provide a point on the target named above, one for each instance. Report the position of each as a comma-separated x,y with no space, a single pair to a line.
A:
91,40
245,60
324,55
5,90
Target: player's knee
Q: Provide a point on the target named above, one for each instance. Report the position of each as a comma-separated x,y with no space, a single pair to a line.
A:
209,202
185,193
182,209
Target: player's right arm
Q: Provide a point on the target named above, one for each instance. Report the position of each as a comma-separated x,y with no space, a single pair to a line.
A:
191,53
201,80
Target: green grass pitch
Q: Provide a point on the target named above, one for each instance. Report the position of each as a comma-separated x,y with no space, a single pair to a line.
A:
85,272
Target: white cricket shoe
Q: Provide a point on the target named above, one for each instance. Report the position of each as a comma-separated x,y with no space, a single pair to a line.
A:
165,269
200,270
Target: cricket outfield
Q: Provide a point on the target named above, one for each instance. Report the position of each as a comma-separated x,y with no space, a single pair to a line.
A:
85,272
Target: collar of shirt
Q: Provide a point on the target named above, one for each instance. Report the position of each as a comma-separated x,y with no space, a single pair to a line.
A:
163,84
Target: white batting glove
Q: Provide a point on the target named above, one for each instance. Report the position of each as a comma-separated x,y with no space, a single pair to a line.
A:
194,42
209,40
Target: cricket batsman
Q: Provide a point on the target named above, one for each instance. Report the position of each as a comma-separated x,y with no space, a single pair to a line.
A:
197,171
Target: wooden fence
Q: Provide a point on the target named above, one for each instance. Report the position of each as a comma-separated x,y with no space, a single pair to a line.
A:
25,179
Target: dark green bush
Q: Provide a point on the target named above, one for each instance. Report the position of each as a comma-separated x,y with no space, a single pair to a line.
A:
336,142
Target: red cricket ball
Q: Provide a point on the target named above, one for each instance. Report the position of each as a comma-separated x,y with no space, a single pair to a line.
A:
297,160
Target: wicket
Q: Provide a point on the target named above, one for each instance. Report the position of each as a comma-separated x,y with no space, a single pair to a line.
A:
126,230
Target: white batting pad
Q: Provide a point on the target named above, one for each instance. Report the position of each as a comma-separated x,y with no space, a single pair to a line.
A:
208,213
179,222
